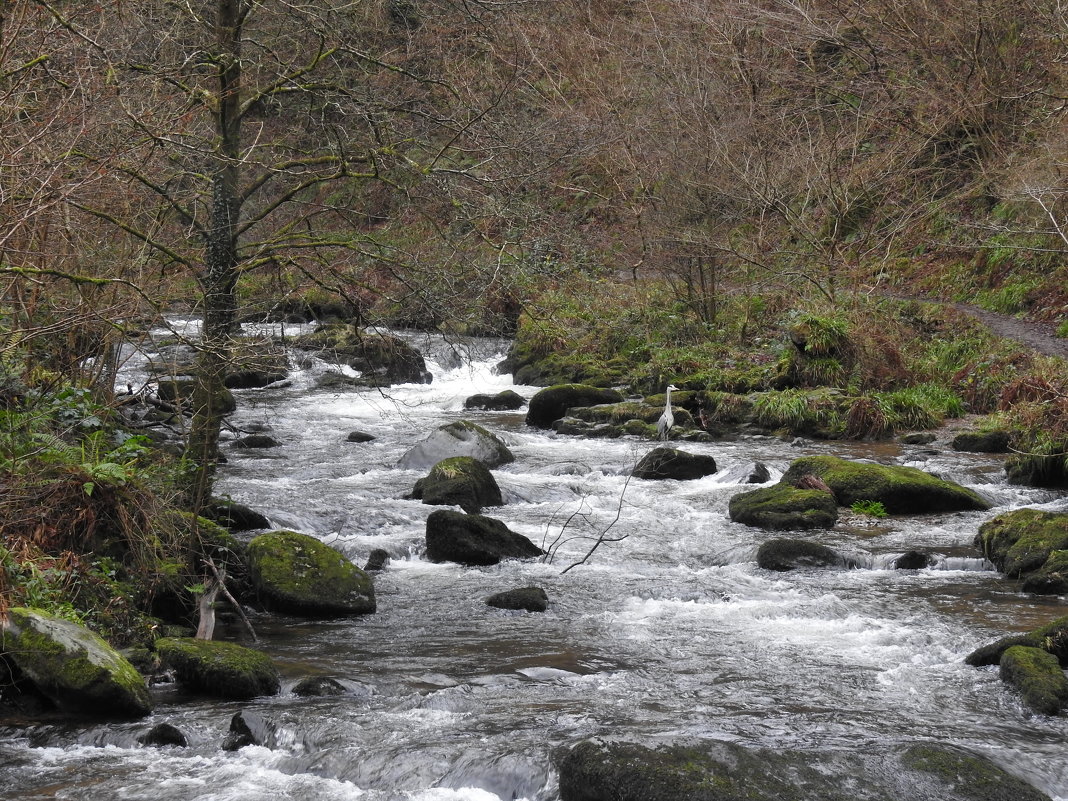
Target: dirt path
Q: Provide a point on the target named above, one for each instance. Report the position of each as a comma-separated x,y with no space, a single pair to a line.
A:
1037,336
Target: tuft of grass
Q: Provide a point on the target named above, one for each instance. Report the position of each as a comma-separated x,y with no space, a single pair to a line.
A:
869,508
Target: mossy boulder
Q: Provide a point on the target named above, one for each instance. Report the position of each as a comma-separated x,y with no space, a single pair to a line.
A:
1051,578
1052,637
460,481
505,401
220,669
1037,470
789,554
901,490
528,599
460,438
298,574
72,666
784,507
671,463
1021,541
381,359
981,441
552,403
1038,676
474,540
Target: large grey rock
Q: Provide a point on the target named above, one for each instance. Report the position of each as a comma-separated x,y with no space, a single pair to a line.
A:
73,667
505,401
473,540
671,463
461,438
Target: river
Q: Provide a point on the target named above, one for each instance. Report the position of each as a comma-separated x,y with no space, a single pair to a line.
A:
670,631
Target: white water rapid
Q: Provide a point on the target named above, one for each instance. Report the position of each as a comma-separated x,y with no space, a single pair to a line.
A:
671,631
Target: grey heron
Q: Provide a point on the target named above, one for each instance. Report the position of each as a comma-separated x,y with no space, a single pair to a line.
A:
667,419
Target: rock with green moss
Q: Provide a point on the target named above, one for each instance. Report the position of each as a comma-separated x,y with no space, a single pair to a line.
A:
72,666
671,463
1038,676
474,540
234,516
981,441
298,574
460,481
789,554
1021,541
552,403
783,507
1051,578
220,669
1052,637
460,438
381,359
901,490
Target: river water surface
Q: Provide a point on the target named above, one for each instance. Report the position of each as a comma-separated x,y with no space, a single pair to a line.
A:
670,631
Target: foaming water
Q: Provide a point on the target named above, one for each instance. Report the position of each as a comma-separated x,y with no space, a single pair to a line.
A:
670,629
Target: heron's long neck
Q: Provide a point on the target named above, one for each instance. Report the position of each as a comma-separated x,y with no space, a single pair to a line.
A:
667,403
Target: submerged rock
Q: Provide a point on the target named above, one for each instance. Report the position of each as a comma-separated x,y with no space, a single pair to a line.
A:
164,734
707,770
377,560
250,728
301,575
552,403
671,463
72,666
913,560
461,438
220,669
318,687
790,554
901,490
460,481
360,436
529,599
473,540
783,507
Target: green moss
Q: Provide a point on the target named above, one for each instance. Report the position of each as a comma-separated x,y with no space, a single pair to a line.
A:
221,669
782,507
901,490
300,574
1038,676
74,666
